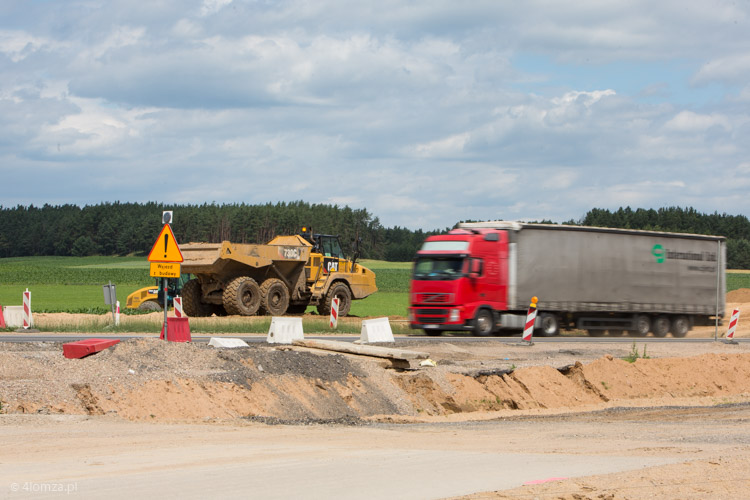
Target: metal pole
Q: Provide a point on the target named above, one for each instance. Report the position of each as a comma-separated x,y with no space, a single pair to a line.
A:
112,301
166,327
718,284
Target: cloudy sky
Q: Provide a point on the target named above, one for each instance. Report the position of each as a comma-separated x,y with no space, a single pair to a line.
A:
423,112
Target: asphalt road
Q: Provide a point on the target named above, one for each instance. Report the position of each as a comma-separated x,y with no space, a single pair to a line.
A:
41,337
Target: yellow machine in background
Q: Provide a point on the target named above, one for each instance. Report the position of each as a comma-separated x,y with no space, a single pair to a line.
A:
150,298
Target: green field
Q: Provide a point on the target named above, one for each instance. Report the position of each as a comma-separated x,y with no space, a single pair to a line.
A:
74,284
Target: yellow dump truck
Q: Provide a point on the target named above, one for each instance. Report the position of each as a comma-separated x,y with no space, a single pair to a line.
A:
284,276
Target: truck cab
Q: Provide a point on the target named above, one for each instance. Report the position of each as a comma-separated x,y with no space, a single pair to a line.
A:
459,279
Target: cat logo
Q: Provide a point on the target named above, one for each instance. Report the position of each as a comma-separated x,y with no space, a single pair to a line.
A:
330,265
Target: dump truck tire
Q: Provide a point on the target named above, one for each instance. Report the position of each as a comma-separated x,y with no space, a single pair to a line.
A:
191,300
149,305
341,291
242,296
274,297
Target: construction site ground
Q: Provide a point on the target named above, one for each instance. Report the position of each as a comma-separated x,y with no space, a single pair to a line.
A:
490,420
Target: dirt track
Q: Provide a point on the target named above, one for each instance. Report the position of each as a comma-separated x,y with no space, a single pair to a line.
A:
564,410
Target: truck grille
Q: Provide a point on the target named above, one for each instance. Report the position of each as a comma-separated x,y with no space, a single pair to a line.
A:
434,298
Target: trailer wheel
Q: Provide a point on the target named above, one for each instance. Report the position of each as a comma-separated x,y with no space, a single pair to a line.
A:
642,325
680,326
549,325
340,290
149,305
274,297
484,323
241,296
661,326
191,300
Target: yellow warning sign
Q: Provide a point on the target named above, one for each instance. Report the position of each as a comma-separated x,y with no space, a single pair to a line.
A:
165,249
165,269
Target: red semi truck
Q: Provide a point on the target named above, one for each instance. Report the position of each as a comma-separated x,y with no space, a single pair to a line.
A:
481,277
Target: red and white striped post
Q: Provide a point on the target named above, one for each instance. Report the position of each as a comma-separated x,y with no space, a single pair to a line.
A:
117,313
528,330
26,309
334,312
178,312
733,325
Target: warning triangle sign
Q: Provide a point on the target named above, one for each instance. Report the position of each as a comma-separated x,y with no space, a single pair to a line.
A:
165,249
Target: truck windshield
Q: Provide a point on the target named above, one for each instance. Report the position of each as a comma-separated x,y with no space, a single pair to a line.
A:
438,268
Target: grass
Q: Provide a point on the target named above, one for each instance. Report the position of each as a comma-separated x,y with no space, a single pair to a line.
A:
152,323
634,354
74,284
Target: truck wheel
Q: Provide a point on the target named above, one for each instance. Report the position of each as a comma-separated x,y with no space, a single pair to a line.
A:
680,326
191,300
484,323
661,326
642,324
340,290
149,305
549,326
274,297
242,296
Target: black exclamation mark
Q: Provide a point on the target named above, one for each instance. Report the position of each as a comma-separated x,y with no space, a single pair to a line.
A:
166,240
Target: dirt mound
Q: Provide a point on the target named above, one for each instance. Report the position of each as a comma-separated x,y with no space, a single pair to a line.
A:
741,295
150,379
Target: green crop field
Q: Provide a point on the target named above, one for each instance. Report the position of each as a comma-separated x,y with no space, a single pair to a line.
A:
74,284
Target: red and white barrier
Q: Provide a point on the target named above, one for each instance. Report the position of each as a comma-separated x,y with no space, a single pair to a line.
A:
178,312
26,309
117,314
528,330
334,312
733,324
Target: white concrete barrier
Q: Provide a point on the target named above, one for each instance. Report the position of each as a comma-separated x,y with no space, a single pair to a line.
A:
376,330
226,343
14,316
285,330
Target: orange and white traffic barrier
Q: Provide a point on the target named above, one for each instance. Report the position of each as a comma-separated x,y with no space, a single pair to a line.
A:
178,312
26,309
528,330
334,312
117,313
733,324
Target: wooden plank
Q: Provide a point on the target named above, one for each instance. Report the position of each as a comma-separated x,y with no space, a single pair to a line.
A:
364,350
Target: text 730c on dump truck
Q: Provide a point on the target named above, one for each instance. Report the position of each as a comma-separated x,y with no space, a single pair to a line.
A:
481,276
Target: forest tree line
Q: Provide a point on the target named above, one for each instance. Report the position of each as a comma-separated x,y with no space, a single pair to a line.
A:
131,228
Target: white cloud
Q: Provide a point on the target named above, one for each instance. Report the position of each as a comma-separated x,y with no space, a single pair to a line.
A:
688,121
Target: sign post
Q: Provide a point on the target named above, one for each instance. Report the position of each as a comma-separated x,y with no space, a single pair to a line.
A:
165,258
110,298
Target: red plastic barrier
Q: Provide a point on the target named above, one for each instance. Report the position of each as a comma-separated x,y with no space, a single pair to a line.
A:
2,318
81,348
179,330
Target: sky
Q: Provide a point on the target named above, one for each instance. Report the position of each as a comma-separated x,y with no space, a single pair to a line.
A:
423,112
